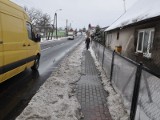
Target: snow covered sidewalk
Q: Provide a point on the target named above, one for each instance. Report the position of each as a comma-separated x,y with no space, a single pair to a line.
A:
55,100
114,100
90,91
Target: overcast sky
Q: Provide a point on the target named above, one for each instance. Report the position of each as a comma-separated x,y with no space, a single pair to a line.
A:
80,12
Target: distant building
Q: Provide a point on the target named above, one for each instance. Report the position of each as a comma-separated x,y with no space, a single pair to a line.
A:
91,29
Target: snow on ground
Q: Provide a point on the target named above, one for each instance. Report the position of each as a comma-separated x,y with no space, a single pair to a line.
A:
114,100
53,39
55,99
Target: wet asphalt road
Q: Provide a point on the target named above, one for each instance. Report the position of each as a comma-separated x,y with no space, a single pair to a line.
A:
16,92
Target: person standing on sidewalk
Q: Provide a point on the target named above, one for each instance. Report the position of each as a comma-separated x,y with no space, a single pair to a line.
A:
87,42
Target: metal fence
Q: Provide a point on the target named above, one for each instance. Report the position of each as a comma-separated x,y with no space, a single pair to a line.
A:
104,56
149,97
138,86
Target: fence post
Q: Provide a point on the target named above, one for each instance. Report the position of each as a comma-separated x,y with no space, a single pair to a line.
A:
103,56
98,52
136,92
112,65
104,35
104,39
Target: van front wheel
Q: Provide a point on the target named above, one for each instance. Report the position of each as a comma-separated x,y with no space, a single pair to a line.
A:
36,63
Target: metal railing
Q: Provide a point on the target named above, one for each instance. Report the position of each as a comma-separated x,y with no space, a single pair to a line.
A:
138,85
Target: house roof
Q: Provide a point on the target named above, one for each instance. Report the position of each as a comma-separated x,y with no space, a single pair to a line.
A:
141,10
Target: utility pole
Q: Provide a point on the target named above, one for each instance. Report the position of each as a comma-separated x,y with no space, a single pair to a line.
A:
70,26
66,27
56,21
53,26
66,23
52,31
56,25
124,2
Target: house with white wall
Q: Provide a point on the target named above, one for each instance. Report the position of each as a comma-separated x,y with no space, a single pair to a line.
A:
138,33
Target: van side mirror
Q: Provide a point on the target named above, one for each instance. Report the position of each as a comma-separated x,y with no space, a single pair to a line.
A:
36,38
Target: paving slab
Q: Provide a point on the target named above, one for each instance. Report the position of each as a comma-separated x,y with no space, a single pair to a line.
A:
90,92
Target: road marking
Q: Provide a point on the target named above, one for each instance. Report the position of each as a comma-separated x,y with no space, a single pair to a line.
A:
45,49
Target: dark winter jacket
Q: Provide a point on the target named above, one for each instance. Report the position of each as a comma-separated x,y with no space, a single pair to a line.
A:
87,40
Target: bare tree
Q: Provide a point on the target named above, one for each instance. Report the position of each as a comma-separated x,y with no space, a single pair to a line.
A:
45,24
41,21
34,15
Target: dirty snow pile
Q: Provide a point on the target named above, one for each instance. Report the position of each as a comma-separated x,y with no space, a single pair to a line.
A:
114,100
55,99
53,39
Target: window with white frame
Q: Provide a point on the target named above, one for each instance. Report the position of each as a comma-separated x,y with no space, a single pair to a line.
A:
145,41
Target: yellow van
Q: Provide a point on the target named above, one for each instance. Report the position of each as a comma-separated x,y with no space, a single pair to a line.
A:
19,48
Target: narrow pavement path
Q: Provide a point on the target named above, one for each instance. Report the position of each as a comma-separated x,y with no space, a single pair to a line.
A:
90,92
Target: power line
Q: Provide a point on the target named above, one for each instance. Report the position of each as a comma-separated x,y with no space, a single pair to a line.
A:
121,14
124,5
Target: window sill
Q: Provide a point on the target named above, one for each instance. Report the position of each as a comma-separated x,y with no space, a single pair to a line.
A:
143,55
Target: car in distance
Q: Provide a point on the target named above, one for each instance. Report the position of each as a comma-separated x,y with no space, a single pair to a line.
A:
71,35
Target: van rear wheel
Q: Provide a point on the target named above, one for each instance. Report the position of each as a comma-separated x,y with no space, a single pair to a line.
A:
36,64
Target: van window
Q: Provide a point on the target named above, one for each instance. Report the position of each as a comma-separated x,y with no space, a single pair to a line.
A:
29,29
